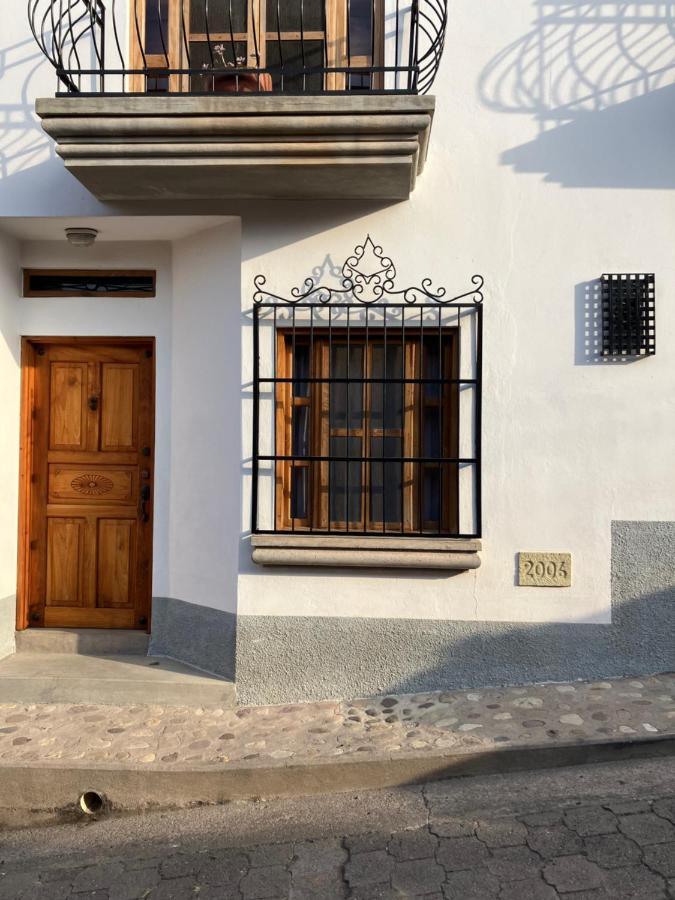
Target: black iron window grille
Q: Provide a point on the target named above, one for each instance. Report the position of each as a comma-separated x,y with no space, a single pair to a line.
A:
241,46
628,315
367,405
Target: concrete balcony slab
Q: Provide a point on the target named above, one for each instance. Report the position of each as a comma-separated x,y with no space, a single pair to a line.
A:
361,147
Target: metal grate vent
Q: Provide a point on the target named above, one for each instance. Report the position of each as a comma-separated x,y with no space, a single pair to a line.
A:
628,315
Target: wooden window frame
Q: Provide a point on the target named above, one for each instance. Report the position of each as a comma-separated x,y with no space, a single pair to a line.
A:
320,432
179,11
94,273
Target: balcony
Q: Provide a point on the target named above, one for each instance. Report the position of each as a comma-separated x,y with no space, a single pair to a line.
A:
204,99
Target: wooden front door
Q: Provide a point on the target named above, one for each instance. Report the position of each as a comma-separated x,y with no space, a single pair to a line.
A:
88,481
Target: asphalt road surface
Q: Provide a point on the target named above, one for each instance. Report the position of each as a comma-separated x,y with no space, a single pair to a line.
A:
603,832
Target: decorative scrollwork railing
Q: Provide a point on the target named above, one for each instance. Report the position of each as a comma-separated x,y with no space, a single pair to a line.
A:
241,46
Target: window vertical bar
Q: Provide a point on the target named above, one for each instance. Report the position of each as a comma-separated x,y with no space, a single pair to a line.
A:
302,44
330,402
256,419
281,55
275,385
233,46
441,448
397,37
349,422
384,422
293,500
366,504
312,506
479,420
420,425
403,418
348,80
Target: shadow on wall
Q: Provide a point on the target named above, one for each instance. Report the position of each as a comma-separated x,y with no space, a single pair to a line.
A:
284,659
588,328
599,79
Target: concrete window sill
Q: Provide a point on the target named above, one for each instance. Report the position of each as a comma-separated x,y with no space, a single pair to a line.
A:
365,552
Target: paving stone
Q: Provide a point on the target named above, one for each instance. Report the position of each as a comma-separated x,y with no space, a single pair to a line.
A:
374,867
94,878
634,883
53,891
265,882
14,883
227,868
628,807
318,857
374,892
310,887
417,877
573,873
450,826
270,855
132,885
556,840
362,843
461,853
418,844
647,828
543,818
471,884
661,858
180,864
514,863
665,808
532,889
611,850
175,889
501,833
588,820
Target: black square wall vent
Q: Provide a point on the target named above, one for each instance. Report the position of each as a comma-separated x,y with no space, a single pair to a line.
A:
628,315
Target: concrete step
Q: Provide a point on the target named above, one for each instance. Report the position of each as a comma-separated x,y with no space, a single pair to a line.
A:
88,641
115,680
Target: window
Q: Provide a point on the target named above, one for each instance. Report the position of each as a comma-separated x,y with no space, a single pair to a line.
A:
367,431
88,283
304,45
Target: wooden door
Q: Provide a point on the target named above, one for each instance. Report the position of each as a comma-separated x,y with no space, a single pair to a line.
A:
89,412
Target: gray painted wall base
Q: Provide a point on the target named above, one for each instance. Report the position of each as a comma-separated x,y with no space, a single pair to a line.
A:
281,659
197,635
7,625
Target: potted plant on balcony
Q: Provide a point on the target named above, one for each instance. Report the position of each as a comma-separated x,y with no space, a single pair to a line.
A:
233,81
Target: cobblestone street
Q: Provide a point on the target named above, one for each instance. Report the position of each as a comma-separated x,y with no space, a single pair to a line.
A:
537,836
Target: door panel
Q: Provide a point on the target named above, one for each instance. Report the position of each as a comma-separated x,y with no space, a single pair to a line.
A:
65,552
119,406
68,391
89,556
116,543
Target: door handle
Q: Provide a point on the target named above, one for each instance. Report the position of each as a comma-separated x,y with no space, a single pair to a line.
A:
145,498
93,403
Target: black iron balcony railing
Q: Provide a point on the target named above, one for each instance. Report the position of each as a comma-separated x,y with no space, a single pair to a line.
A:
241,46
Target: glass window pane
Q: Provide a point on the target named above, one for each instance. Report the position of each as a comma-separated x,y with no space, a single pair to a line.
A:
223,16
346,401
299,491
157,26
301,370
360,23
431,494
431,367
301,431
345,499
431,439
291,15
200,58
387,399
292,61
385,481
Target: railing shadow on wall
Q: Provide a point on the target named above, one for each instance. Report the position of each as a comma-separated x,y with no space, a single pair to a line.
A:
599,80
23,144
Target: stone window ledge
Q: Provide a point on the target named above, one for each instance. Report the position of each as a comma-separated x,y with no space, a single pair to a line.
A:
448,554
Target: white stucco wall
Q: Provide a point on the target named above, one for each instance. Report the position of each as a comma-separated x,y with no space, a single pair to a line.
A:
547,167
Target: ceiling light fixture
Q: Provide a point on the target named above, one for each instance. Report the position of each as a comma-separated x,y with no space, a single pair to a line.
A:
81,237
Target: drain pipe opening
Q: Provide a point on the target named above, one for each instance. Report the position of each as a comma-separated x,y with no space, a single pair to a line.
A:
91,802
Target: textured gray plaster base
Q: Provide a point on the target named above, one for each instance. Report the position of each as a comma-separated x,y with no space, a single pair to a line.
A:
197,635
280,659
7,625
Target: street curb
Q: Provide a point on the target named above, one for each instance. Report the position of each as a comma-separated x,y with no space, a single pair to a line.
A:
55,789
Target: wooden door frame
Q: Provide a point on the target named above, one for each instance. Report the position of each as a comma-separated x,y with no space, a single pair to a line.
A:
29,345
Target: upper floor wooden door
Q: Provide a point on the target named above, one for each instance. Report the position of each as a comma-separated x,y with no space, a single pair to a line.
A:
87,483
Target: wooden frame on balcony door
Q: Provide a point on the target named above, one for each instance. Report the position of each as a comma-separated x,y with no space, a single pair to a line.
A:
178,18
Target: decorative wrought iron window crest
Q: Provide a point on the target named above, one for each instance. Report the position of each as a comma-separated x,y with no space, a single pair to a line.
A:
367,277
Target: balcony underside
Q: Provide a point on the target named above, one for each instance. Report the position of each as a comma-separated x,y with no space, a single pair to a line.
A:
211,146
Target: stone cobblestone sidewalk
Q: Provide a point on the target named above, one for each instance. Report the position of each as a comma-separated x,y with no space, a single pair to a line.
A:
461,721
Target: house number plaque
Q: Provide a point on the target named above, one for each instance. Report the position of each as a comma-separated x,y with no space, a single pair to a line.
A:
544,569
